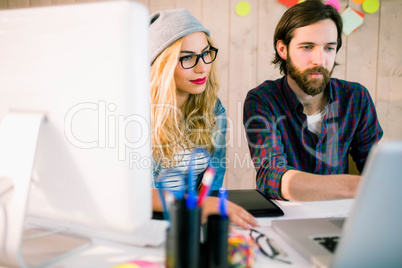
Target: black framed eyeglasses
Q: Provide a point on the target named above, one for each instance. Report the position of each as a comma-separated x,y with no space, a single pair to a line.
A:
268,247
189,61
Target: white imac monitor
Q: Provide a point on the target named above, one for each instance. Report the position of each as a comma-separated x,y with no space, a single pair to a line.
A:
74,118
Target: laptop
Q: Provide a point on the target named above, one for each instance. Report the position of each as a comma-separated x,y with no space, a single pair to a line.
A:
371,236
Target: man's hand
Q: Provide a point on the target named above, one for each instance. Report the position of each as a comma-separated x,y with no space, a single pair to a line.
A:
302,186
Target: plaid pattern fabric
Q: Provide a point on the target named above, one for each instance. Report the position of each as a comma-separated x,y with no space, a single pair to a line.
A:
279,140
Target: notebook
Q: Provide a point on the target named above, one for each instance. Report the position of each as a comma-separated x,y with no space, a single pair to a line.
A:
251,200
254,202
371,235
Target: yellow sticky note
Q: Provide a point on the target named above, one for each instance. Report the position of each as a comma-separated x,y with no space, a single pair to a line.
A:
127,265
358,1
243,8
351,20
370,6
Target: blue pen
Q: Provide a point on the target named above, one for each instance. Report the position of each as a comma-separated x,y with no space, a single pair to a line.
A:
191,200
165,209
160,185
223,204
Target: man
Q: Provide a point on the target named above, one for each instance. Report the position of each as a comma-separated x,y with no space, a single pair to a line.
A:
301,127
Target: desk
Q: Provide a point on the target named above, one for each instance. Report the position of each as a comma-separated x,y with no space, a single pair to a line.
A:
107,254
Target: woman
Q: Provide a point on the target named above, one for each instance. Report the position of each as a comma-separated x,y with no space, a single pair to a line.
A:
186,112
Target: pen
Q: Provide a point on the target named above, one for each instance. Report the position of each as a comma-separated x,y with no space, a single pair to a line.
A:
170,199
223,204
191,200
206,185
165,209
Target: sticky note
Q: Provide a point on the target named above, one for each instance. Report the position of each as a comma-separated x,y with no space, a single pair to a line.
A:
370,6
351,20
358,1
334,3
127,265
243,8
288,3
361,14
137,264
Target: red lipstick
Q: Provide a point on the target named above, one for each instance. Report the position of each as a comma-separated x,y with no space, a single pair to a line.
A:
199,81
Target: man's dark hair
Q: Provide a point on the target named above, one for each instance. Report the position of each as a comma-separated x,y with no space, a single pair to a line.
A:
300,15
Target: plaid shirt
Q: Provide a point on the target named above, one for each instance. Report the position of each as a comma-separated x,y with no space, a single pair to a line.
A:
279,139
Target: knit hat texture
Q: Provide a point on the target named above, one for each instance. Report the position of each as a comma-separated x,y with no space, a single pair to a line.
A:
170,25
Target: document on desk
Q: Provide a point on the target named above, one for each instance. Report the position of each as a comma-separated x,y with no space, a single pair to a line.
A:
316,209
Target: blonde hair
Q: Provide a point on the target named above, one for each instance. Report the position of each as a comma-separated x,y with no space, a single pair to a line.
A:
175,129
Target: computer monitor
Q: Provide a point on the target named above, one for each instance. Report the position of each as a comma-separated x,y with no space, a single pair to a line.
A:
74,94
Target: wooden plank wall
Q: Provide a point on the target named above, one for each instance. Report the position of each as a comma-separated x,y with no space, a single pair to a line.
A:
371,56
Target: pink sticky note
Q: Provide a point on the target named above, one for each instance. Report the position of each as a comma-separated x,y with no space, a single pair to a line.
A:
334,3
138,264
145,264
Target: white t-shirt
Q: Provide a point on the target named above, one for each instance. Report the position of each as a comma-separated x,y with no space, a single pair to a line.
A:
314,122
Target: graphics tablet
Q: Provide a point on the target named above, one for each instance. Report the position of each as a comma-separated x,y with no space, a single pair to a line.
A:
254,202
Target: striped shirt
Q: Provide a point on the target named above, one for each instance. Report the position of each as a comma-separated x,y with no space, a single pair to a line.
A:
217,161
279,138
176,178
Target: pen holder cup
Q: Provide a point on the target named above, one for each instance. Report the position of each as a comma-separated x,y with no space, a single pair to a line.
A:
217,241
183,238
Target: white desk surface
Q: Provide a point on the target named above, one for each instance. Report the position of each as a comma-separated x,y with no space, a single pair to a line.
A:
106,254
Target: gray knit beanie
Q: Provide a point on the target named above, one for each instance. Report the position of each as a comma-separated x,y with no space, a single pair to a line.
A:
170,25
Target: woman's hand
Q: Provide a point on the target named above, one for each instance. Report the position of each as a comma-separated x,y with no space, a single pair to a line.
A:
236,214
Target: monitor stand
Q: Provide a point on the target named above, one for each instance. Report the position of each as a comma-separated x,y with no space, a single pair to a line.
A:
18,247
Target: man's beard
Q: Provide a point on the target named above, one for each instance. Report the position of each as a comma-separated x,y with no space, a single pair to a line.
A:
311,86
